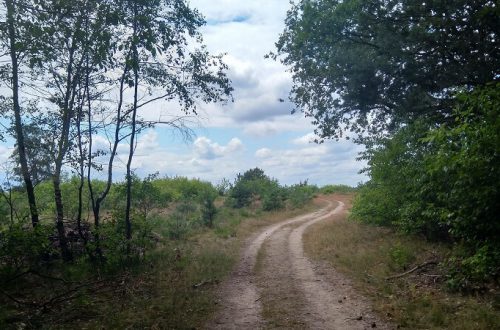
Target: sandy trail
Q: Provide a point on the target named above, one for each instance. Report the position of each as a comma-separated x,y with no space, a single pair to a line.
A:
287,290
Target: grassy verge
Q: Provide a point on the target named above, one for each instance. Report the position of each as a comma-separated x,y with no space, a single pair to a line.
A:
368,255
173,287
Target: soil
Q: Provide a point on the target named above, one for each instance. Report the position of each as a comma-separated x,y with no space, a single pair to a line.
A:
276,286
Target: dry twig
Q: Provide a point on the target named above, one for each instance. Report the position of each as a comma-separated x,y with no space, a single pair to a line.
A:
430,262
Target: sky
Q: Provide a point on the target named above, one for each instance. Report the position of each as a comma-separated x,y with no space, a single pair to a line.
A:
256,130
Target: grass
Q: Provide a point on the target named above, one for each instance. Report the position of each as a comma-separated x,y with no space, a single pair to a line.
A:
173,288
175,292
368,255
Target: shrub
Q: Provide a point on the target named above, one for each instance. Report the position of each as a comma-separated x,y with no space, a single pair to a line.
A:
442,182
299,194
25,248
337,188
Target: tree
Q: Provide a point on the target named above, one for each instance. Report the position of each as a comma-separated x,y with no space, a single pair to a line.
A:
164,68
440,181
255,183
14,42
376,65
394,73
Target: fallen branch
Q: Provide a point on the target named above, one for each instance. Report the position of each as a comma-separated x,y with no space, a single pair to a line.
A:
431,262
33,272
17,301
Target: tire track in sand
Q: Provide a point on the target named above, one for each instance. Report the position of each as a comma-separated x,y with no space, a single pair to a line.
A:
287,278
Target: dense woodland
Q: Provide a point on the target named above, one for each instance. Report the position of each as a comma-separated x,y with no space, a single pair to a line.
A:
416,83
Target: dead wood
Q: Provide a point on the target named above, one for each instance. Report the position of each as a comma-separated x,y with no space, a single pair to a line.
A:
430,262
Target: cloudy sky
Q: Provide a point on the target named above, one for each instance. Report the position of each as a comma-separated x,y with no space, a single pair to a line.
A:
256,130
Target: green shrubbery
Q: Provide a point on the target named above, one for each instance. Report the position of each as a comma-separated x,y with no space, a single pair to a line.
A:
337,188
299,194
254,186
162,208
442,182
22,249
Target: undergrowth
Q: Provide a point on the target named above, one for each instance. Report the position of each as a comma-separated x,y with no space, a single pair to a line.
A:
171,284
419,300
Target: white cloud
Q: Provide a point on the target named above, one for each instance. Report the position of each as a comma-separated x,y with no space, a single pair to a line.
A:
206,149
148,141
5,153
263,153
305,140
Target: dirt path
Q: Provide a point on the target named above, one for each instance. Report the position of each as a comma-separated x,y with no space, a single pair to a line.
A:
276,286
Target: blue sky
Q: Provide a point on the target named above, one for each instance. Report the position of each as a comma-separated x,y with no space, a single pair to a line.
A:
255,130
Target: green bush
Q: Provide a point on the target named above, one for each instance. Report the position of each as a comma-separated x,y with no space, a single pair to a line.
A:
255,185
442,182
299,194
337,188
22,248
401,256
273,197
184,218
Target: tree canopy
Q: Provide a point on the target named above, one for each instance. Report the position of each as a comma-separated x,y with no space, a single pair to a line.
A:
417,82
373,66
86,69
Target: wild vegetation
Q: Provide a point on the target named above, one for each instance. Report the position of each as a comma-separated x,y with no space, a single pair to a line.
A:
418,85
182,237
401,275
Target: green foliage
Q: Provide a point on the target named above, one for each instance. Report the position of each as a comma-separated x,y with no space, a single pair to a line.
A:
464,168
241,194
227,222
337,188
255,188
469,270
208,210
443,182
182,220
223,187
401,256
377,65
254,185
375,204
179,188
299,194
273,197
22,249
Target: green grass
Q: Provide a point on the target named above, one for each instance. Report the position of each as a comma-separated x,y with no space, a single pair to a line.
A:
172,287
368,255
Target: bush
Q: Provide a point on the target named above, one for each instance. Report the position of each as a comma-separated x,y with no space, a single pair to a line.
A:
337,188
442,182
182,220
299,194
273,197
253,185
22,249
468,270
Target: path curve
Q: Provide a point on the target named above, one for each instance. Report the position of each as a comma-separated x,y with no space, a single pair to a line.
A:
288,278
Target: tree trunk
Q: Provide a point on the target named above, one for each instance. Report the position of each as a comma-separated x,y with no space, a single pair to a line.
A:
81,169
128,225
67,115
17,115
63,243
